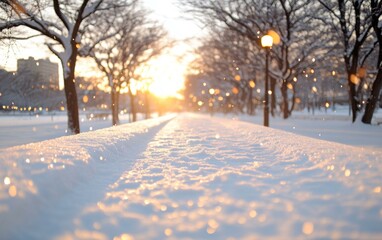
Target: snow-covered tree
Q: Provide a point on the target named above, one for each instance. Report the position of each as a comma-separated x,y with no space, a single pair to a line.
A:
63,25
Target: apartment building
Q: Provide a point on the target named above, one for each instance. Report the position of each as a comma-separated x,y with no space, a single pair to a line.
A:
45,71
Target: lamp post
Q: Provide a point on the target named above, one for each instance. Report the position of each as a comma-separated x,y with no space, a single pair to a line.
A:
266,42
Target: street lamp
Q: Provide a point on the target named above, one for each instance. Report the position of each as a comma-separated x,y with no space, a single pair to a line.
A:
266,42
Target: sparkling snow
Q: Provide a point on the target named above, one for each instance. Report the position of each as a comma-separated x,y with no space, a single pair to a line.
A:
190,177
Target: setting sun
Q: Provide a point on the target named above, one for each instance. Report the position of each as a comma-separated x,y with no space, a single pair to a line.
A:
167,76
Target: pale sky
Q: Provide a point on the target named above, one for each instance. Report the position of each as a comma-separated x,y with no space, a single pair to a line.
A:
168,66
174,20
165,11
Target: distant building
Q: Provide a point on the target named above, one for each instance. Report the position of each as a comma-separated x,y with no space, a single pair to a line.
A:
4,73
5,78
45,70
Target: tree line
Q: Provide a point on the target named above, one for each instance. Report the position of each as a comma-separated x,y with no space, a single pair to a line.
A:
338,38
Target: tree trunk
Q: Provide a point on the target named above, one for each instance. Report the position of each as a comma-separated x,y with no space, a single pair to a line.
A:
132,106
147,105
377,84
284,93
114,107
266,88
250,102
360,93
242,101
72,105
71,94
372,100
352,97
293,102
273,96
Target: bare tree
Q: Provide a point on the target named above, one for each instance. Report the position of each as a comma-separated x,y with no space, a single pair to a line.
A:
107,54
134,41
293,20
141,47
63,30
229,61
352,20
376,13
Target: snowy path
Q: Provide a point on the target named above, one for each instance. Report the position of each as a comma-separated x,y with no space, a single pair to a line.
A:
190,177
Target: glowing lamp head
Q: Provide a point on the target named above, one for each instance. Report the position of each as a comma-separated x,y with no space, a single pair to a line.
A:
267,41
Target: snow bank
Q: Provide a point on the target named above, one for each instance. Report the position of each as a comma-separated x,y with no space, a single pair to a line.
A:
37,175
334,127
191,177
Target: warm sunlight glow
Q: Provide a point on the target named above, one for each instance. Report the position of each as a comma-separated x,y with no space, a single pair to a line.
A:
167,76
308,228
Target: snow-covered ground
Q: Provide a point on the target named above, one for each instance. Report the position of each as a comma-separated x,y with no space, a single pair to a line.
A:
192,177
330,126
22,129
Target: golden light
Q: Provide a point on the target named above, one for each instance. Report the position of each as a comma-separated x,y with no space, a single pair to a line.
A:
275,36
12,191
167,75
253,213
237,78
124,236
354,79
235,90
267,41
308,228
213,223
252,84
168,232
85,99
